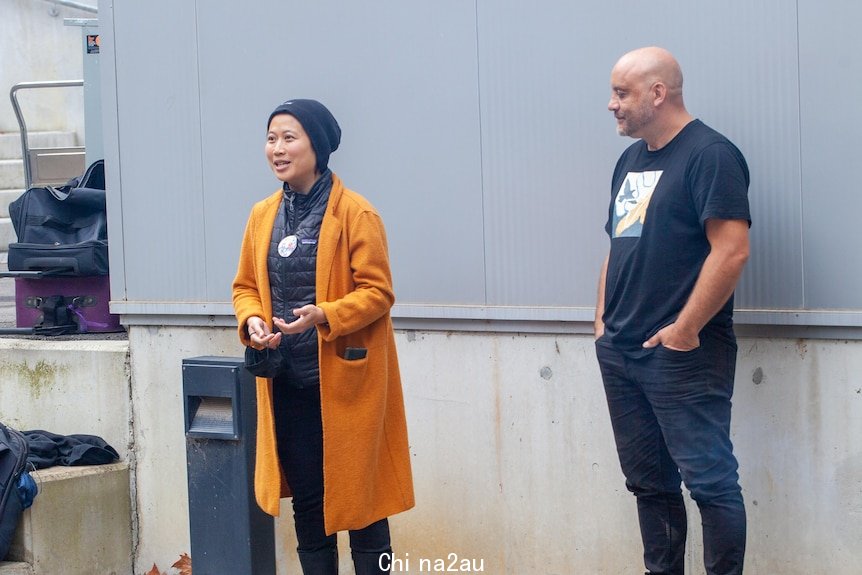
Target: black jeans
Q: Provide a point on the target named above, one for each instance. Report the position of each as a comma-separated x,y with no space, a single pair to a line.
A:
299,433
670,413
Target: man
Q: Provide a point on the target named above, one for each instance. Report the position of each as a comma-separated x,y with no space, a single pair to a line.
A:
678,223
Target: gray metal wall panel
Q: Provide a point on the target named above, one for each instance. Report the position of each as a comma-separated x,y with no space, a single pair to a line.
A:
158,109
549,143
548,149
831,88
239,86
741,77
401,80
110,142
480,132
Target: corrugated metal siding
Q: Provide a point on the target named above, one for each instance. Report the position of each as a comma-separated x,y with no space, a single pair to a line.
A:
548,149
159,122
235,101
401,80
404,77
545,187
480,132
831,92
741,77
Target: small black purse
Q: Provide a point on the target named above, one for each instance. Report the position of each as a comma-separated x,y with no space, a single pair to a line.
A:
264,362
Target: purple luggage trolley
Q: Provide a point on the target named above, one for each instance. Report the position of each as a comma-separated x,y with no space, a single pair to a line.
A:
81,300
60,261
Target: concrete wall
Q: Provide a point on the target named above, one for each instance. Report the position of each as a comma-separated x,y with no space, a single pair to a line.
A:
157,404
73,387
83,511
35,45
514,460
67,387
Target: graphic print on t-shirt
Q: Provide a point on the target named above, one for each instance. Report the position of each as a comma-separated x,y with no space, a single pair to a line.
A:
631,204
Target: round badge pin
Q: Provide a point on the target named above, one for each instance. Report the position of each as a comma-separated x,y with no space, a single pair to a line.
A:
286,246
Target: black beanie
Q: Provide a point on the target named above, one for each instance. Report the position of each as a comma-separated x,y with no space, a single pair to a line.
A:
318,123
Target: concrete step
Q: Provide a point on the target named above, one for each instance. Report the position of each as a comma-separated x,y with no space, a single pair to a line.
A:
10,142
7,234
11,174
15,568
6,198
10,146
79,524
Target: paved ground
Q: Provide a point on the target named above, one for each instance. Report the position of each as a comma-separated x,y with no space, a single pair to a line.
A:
7,313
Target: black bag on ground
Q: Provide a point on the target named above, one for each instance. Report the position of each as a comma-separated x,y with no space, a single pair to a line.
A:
17,488
62,230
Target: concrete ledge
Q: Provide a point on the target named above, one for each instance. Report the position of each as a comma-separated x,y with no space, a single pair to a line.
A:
79,524
15,568
67,387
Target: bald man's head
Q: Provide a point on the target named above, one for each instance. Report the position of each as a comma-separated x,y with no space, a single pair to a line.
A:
651,65
646,95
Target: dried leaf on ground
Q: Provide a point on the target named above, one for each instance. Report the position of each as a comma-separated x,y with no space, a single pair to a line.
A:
154,571
184,564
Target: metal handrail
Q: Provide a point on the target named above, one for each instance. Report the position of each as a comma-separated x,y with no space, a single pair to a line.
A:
25,146
76,5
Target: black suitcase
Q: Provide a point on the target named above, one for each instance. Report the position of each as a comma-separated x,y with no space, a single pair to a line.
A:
60,262
62,230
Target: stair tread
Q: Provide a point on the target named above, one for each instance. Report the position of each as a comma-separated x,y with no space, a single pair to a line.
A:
10,142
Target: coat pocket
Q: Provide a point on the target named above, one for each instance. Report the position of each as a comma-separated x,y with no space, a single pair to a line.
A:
348,374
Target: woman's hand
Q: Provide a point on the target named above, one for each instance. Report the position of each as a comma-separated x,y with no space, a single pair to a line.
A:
260,334
308,316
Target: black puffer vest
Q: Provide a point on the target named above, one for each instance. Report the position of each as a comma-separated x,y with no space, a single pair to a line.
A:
291,264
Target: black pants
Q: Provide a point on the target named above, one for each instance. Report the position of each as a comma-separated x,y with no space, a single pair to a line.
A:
299,433
670,413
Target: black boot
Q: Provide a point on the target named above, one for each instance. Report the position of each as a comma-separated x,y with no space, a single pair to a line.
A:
320,562
369,563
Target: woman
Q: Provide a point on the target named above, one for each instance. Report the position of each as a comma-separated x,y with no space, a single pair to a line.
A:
312,294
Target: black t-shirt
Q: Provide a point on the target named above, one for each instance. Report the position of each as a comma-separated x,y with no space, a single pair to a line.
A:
659,206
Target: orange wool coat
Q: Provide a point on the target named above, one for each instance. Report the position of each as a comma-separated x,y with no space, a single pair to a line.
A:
366,460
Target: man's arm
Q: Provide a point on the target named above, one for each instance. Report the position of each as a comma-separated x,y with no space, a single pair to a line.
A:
729,250
599,325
